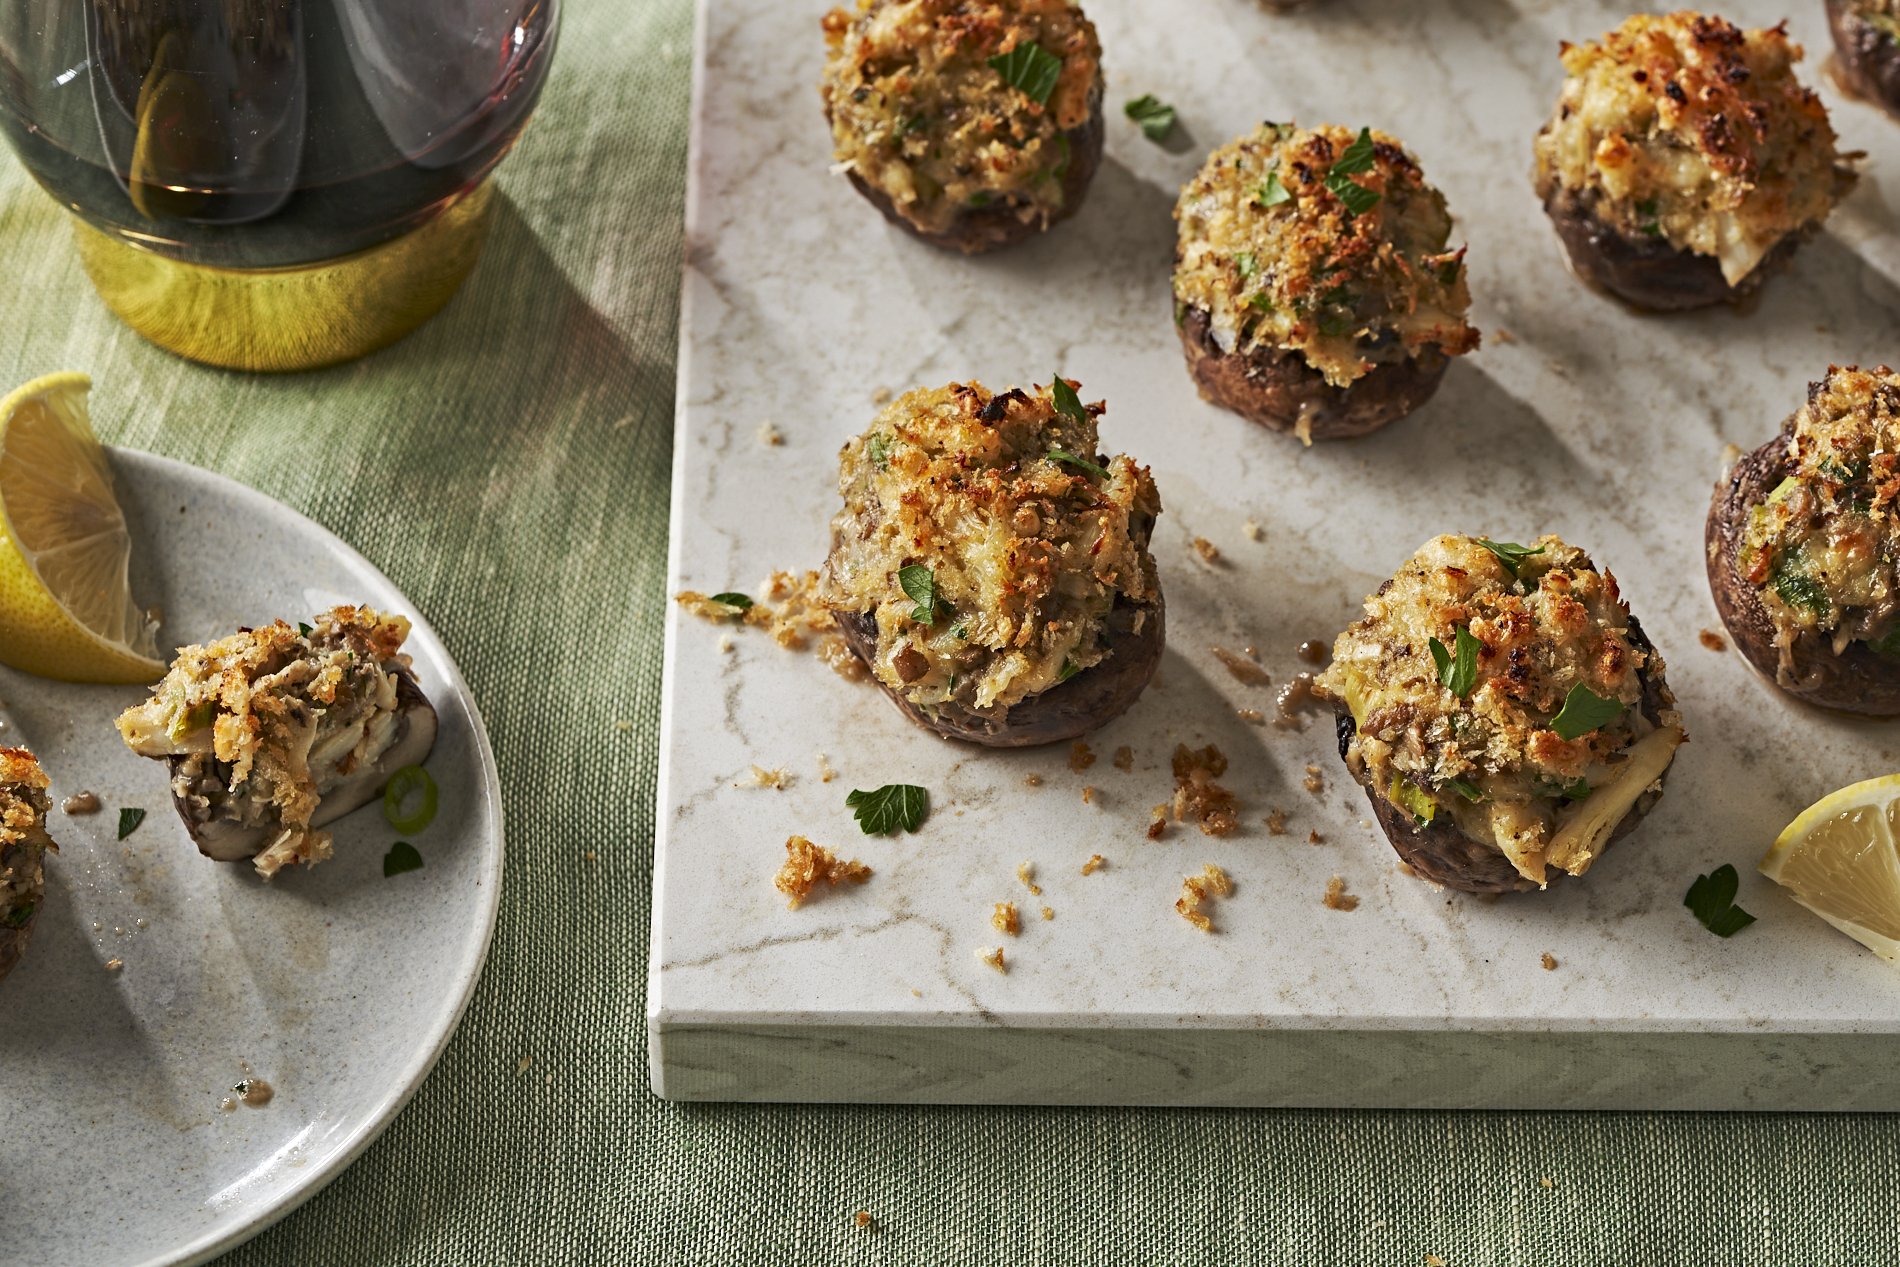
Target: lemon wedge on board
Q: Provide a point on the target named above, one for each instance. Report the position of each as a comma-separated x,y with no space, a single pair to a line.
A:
1841,859
66,608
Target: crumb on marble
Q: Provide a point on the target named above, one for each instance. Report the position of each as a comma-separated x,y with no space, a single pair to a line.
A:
807,866
114,964
770,436
1158,821
1500,335
1550,962
1088,794
1253,530
1712,640
778,780
1313,782
1124,758
1252,716
1276,822
1337,899
1095,863
825,773
880,395
726,644
1081,756
1004,919
1197,797
1026,872
1314,838
1241,668
1032,780
1198,891
791,615
1209,552
1047,913
993,956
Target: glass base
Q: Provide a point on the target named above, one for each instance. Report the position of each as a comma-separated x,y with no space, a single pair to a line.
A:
298,318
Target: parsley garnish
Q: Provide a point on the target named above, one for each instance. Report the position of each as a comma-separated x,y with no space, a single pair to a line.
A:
1030,69
1337,325
303,629
1155,116
1062,455
892,808
1457,669
739,602
1067,402
1356,159
1259,302
1584,711
963,632
1509,553
129,820
1647,209
1271,192
1069,669
402,856
1465,788
1575,790
921,585
1712,898
1798,589
1448,272
1247,265
19,915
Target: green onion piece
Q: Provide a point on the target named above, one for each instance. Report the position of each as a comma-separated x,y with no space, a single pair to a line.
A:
411,780
1063,455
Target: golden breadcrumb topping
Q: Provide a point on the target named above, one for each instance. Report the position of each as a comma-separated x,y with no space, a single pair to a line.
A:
23,839
921,114
999,509
807,866
1275,257
266,719
1200,890
1336,898
1197,798
993,956
1005,919
1825,547
1026,873
1685,128
1474,739
1095,863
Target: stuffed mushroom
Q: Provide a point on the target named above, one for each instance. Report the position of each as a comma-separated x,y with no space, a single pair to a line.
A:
972,124
1503,711
23,846
1804,547
1685,162
272,733
992,568
1314,288
1867,48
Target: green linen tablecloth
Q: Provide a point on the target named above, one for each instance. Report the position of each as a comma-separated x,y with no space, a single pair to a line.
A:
508,467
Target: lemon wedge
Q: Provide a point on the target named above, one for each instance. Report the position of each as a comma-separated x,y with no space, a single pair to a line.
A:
66,608
1841,860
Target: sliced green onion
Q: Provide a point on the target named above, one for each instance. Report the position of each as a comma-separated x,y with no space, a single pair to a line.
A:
408,781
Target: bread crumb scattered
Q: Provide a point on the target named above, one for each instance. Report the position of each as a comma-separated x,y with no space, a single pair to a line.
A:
1241,668
1158,821
770,436
1081,756
1095,863
1252,716
807,866
825,773
1026,872
1500,335
1712,640
1124,758
1314,838
1197,890
1313,782
1337,899
994,958
1197,798
1032,780
880,395
1004,919
113,965
1550,962
1209,552
1276,822
791,613
1254,531
1047,913
863,1218
777,780
1088,794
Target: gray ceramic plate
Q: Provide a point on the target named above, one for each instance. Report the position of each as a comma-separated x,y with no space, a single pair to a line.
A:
335,985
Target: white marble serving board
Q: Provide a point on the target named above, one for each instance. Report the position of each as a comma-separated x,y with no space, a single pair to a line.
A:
1584,420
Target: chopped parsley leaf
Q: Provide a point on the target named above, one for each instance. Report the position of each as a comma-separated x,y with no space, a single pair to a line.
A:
1063,455
1067,402
402,856
736,601
920,584
1584,711
1155,116
1069,669
303,629
878,449
1457,669
1712,900
1271,192
1356,159
19,915
1465,788
1509,553
892,808
129,820
1030,69
1247,265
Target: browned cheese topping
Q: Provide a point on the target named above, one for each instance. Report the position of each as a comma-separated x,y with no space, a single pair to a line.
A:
807,866
1276,259
919,113
1025,552
1825,547
23,838
1489,758
1687,129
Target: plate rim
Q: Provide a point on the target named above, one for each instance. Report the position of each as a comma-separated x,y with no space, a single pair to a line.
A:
435,1039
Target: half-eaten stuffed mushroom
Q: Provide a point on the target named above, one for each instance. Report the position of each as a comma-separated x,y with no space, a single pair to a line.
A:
1314,288
272,733
23,846
1503,711
992,568
1867,48
1685,162
971,123
1804,547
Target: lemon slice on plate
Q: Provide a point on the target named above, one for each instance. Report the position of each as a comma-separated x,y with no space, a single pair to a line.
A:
1841,860
66,608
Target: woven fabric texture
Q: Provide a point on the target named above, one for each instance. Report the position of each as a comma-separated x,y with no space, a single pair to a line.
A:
508,466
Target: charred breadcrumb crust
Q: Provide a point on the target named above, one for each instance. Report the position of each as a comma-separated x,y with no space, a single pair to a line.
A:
1867,54
23,845
939,140
1858,680
1277,389
1689,131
